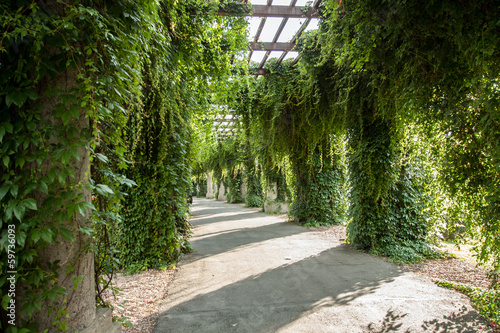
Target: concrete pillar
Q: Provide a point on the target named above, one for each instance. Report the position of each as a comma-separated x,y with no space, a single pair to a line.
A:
75,258
243,190
222,190
270,206
79,303
210,186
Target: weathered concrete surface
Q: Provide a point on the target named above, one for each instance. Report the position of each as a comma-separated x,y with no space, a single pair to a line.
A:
270,206
222,192
103,323
210,186
251,272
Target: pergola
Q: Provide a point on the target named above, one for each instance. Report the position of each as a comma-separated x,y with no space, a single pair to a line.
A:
275,26
285,14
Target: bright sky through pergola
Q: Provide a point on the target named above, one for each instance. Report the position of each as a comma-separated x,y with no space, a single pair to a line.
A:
271,26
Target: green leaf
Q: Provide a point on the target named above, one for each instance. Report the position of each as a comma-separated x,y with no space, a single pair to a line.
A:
17,97
88,205
3,191
102,158
35,235
43,187
31,126
30,203
86,230
66,116
20,162
31,94
9,128
19,211
103,189
9,211
61,177
21,238
14,189
66,234
46,235
2,133
28,308
6,160
5,301
80,208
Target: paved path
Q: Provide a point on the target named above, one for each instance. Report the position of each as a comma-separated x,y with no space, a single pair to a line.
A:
252,272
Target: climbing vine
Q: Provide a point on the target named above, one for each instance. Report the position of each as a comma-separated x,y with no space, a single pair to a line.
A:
55,93
401,47
73,75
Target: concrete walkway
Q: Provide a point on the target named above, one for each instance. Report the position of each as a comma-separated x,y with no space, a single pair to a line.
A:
252,272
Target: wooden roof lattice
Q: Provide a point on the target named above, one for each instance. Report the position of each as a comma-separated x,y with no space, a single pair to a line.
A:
226,125
276,10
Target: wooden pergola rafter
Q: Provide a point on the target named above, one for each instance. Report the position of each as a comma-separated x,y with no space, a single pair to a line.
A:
285,12
226,125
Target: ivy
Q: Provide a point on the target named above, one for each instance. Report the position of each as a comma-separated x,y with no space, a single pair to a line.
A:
435,65
486,302
77,89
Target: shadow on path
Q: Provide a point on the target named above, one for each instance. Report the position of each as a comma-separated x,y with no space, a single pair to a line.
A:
271,300
464,321
251,272
224,241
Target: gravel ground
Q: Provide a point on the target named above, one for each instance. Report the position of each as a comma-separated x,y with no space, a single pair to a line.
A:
141,293
140,297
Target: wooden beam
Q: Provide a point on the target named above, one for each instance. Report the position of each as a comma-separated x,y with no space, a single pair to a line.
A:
272,46
282,11
258,71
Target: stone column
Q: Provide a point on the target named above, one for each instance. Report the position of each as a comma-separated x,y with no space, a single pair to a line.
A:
79,304
210,186
274,207
222,195
243,190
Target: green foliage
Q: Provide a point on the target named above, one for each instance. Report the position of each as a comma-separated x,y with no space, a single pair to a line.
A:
234,182
253,196
159,135
159,139
319,189
50,84
73,75
200,187
386,210
409,251
438,65
278,112
225,160
486,302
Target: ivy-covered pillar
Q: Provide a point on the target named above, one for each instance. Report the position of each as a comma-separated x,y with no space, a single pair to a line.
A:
155,228
200,187
68,298
234,181
251,178
221,192
61,294
386,210
253,197
319,186
371,168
